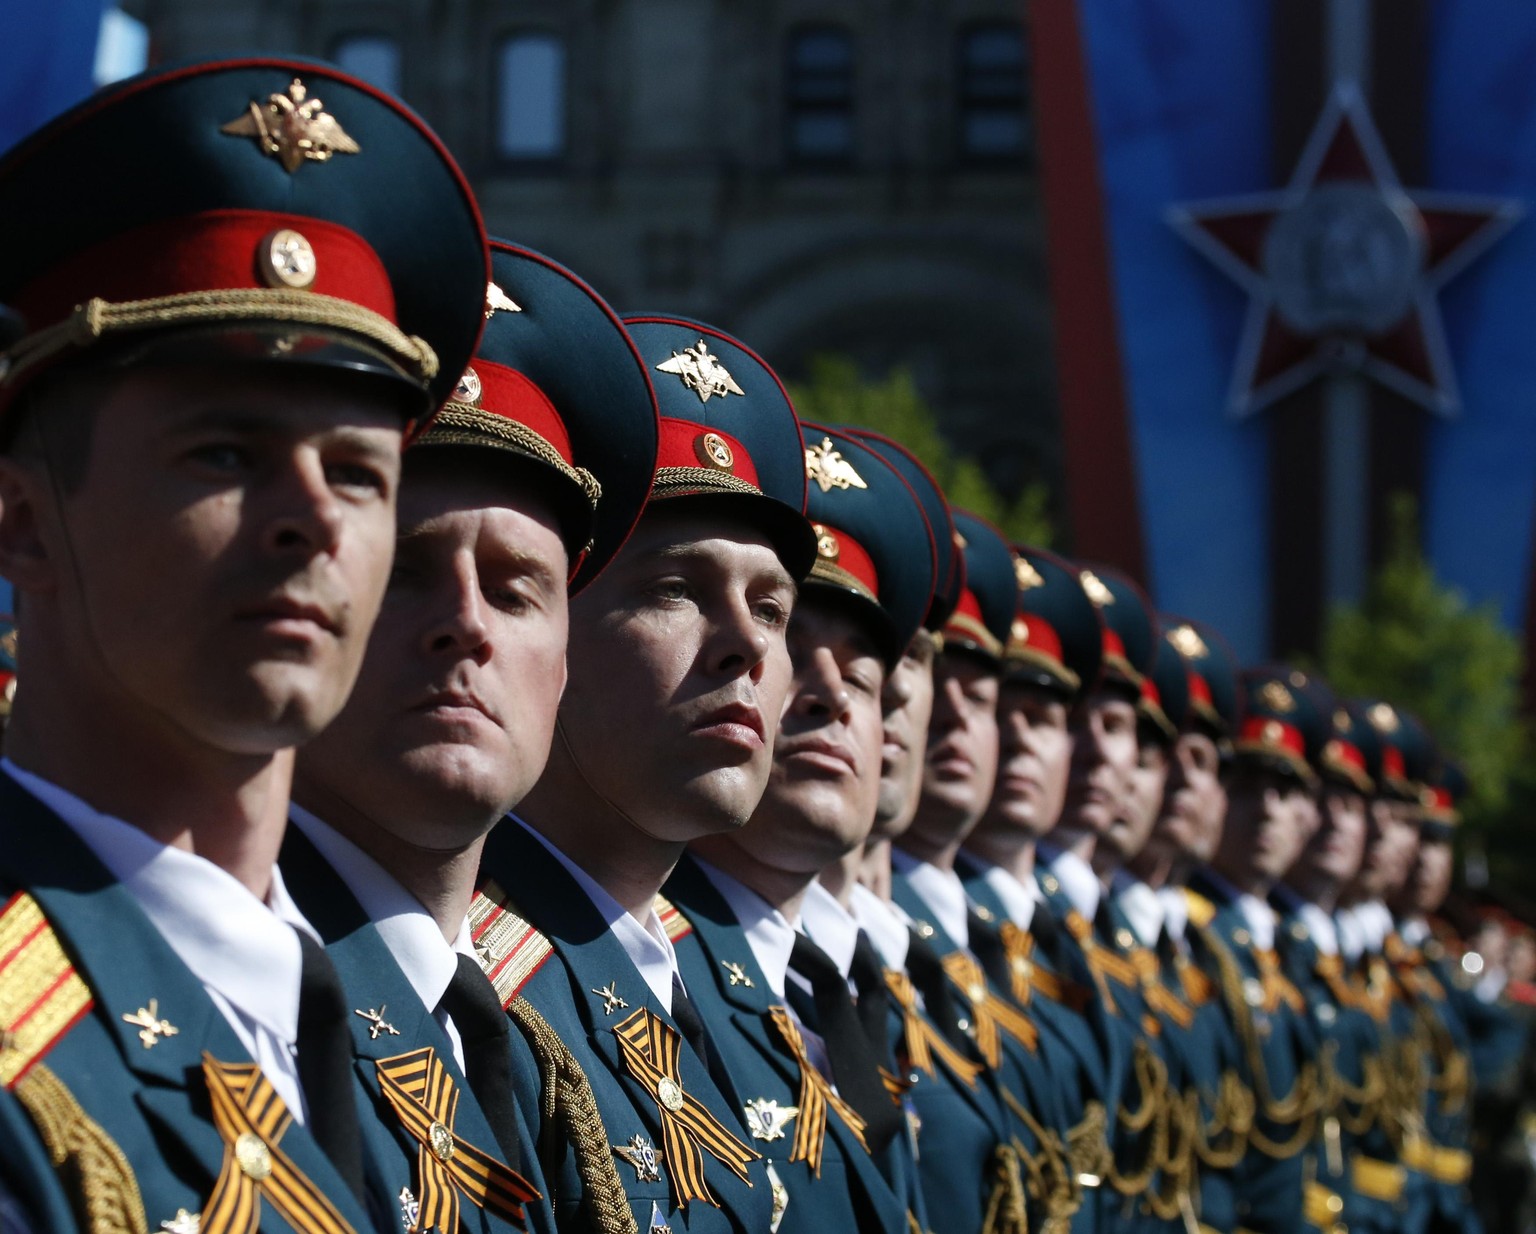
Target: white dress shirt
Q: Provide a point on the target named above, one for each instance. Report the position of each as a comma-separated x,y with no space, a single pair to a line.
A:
1141,906
1351,935
1078,881
1415,931
831,927
1175,912
884,924
1019,899
244,952
647,946
427,959
942,891
1325,934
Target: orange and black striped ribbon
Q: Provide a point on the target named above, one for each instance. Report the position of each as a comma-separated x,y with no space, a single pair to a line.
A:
816,1094
1331,969
1277,986
922,1042
1026,976
1158,996
1099,959
990,1015
251,1119
1195,981
651,1051
426,1100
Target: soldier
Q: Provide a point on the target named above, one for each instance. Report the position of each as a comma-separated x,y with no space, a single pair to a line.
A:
678,672
1271,814
233,318
524,488
784,1024
965,1154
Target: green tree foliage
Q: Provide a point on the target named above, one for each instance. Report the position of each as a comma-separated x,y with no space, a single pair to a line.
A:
1417,643
838,394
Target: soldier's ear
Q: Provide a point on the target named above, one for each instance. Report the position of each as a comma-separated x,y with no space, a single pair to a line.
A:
27,508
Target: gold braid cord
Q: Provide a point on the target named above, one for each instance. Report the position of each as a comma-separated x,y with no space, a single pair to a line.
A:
1052,1182
95,319
459,424
1232,1117
1007,1212
568,1101
686,481
97,1176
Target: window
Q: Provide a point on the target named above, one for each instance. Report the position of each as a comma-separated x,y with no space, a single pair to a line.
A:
818,92
991,91
373,57
530,97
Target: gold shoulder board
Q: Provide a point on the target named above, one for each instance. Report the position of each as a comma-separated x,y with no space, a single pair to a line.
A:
508,948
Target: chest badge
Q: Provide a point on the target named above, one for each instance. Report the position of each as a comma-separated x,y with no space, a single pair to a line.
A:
151,1027
737,973
611,1000
641,1154
767,1120
377,1023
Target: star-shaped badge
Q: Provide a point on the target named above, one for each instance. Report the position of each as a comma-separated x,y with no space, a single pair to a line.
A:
1342,267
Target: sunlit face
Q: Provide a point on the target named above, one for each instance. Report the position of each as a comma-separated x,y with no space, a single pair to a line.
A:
1336,850
908,704
821,796
1521,957
1104,756
1128,833
962,747
1392,838
1270,818
679,672
219,562
1035,755
451,719
1194,807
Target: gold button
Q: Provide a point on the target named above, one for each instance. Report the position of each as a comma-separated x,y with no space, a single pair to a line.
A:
287,259
441,1141
670,1093
711,450
252,1156
976,993
469,388
1241,937
1124,939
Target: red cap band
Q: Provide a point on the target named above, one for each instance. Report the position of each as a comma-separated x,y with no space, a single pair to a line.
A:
1392,765
506,392
687,444
1266,731
835,548
1036,634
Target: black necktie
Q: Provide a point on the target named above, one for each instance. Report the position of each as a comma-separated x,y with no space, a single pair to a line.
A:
691,1025
987,946
325,1063
855,1066
874,998
471,1003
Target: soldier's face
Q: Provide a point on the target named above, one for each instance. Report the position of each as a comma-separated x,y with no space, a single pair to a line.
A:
820,802
1128,833
679,673
451,719
1338,847
907,700
1194,801
962,746
1035,755
1270,818
212,572
1431,880
1392,838
1104,754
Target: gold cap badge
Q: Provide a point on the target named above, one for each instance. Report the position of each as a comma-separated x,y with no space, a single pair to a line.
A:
1187,642
711,450
1276,697
1383,719
827,546
286,259
469,388
497,300
825,464
701,372
1024,571
1101,595
292,128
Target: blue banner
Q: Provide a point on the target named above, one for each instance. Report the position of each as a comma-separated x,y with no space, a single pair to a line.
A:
1181,94
1480,492
47,56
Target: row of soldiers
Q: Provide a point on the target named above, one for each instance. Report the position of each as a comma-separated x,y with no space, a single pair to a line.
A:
626,807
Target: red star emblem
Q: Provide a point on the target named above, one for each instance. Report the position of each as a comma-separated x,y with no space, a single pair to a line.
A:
1342,267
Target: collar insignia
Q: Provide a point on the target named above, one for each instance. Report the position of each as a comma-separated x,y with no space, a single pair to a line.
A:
497,300
701,372
377,1023
151,1027
292,128
825,464
641,1154
611,1000
737,973
766,1120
